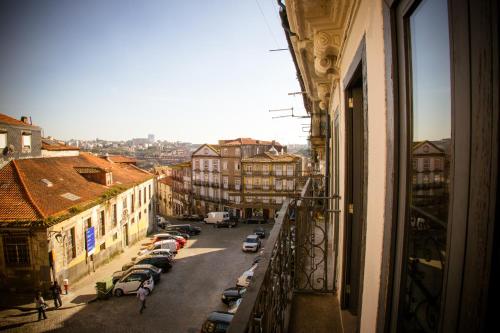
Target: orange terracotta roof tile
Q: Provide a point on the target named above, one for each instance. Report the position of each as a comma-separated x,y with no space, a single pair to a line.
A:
167,181
43,187
5,119
269,158
121,159
53,145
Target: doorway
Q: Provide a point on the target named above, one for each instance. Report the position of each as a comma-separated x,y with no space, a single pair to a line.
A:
125,234
354,216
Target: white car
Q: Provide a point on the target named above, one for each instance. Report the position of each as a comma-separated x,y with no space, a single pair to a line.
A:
246,277
162,252
233,306
170,244
251,243
129,284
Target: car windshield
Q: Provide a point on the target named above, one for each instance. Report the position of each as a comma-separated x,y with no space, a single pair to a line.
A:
251,240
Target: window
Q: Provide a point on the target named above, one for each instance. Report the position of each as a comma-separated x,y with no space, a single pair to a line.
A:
427,164
102,223
265,184
215,165
265,169
224,165
438,164
124,203
102,246
140,198
71,243
225,181
238,166
115,215
149,191
237,151
26,142
237,183
132,221
423,244
289,170
144,195
278,169
415,163
140,215
205,164
197,165
248,169
278,184
3,140
224,151
16,250
132,203
290,185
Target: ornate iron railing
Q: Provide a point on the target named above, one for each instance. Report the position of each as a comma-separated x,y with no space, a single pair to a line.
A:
267,303
295,259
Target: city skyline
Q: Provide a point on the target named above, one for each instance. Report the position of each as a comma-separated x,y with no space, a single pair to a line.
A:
116,70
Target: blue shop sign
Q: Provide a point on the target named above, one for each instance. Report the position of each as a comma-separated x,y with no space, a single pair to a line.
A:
90,236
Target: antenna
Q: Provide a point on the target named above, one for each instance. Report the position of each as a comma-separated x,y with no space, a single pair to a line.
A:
288,115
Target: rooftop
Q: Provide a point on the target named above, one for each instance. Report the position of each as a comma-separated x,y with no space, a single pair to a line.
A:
54,145
4,119
270,158
38,188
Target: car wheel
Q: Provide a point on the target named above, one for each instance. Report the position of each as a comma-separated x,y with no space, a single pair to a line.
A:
118,292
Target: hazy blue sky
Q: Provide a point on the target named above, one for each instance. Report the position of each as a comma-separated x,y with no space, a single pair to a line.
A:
183,70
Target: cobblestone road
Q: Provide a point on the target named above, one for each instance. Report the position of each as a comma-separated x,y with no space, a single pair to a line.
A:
210,263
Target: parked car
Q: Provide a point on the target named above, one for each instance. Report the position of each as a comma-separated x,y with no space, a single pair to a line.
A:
155,272
231,222
178,233
257,259
162,262
164,236
255,219
162,222
232,294
216,217
233,306
187,228
261,232
246,277
170,244
251,243
130,283
217,322
159,252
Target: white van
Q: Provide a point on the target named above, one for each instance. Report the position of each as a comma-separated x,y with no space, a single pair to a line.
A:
217,217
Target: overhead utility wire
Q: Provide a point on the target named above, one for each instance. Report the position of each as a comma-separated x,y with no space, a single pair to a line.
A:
267,24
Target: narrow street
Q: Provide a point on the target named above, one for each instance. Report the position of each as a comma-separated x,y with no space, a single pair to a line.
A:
211,262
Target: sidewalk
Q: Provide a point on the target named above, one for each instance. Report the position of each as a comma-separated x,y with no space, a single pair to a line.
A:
79,293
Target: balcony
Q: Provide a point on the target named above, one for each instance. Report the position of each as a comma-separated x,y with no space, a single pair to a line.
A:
292,289
272,173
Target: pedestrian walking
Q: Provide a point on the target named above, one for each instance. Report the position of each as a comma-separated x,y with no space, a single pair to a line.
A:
56,294
41,306
141,295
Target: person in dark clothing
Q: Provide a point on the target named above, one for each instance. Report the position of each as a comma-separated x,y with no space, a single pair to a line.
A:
56,294
40,305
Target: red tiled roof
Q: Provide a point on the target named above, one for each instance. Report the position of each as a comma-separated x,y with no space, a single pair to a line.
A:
121,159
53,145
12,121
167,181
249,141
28,198
269,157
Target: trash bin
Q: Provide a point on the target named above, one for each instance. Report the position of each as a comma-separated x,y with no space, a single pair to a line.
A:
104,288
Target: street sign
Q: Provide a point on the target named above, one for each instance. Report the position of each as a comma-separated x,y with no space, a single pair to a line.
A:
90,236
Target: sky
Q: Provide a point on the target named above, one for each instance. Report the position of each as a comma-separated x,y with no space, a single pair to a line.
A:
194,71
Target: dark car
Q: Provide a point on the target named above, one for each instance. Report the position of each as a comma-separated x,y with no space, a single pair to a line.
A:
178,233
217,322
162,262
155,272
186,228
232,222
255,219
232,294
260,232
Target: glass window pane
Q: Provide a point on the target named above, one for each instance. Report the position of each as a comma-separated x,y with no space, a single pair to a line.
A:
426,225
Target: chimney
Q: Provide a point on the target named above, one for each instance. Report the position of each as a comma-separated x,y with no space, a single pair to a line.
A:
25,120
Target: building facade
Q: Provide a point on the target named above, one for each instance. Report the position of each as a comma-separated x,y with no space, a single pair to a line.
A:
182,197
165,196
206,180
404,106
61,217
267,180
19,139
232,153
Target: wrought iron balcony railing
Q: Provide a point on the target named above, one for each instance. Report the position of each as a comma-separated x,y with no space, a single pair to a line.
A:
295,259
